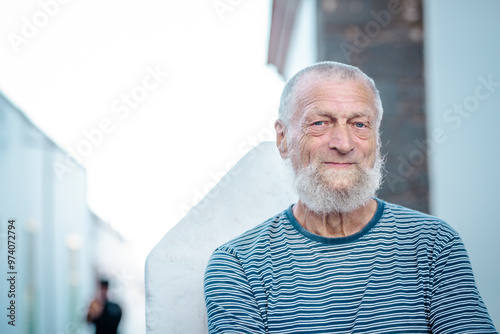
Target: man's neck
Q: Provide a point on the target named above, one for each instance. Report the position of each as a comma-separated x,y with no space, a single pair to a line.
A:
334,225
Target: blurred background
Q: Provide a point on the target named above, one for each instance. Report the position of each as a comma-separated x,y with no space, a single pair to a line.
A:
117,117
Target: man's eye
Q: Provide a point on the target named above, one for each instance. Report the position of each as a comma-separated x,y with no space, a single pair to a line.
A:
360,125
319,123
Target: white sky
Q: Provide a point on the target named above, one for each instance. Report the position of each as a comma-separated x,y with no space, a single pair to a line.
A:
218,100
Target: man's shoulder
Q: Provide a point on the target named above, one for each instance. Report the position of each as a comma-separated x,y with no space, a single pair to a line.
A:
412,218
258,236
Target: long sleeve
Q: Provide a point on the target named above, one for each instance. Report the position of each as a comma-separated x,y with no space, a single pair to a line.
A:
231,304
456,306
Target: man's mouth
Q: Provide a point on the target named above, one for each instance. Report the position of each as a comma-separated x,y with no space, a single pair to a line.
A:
339,164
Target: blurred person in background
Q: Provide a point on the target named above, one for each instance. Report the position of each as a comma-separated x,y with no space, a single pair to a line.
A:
103,313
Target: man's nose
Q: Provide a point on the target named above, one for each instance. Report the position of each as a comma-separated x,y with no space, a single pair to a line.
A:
341,139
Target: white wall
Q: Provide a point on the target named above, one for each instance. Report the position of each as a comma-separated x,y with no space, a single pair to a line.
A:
254,190
52,280
462,51
303,49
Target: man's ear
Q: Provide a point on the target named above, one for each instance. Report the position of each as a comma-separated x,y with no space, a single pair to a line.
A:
281,142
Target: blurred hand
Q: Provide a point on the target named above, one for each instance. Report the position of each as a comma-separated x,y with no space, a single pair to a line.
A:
95,309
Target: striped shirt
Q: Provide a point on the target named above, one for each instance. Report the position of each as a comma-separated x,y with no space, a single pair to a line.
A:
404,272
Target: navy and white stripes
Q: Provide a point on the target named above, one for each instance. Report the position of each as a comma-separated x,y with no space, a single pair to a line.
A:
405,272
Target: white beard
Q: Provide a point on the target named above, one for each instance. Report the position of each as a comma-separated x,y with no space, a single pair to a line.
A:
315,191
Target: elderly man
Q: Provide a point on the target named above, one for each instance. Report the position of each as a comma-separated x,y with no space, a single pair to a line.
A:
341,260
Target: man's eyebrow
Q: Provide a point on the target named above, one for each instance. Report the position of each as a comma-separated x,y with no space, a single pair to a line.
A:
316,113
361,113
322,113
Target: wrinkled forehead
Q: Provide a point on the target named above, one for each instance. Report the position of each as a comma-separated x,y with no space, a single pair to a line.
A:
313,89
